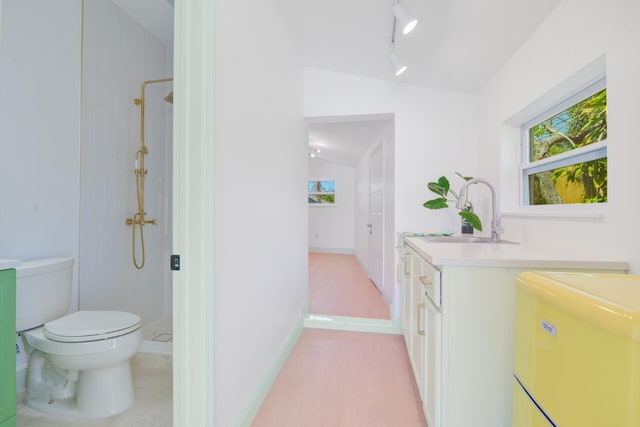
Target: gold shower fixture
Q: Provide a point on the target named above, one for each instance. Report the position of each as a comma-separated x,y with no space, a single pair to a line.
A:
139,218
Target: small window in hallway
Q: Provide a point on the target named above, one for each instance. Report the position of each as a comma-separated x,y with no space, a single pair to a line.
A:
322,192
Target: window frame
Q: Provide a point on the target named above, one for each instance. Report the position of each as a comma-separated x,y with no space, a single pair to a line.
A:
324,204
594,151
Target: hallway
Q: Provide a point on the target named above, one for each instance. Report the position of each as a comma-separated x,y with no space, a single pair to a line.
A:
344,379
340,378
338,286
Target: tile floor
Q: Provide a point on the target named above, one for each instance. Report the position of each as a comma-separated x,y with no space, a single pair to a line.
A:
153,407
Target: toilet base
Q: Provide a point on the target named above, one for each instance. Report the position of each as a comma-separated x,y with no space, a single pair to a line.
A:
99,393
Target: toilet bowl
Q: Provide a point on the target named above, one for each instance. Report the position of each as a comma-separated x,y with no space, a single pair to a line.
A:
79,362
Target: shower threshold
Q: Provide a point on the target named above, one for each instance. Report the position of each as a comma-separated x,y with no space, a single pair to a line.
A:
163,337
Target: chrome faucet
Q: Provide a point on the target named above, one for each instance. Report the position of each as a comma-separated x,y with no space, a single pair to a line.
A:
496,230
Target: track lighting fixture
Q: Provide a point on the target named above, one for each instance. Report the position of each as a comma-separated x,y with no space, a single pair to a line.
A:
405,21
398,67
313,151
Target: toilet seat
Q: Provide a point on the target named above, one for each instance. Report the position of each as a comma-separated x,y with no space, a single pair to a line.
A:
87,326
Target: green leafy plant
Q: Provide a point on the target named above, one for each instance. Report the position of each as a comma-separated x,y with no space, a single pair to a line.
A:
442,188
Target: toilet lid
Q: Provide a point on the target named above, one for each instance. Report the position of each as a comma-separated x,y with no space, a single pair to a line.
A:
83,326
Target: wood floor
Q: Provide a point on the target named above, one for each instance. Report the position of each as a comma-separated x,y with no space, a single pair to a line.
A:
344,379
340,378
338,286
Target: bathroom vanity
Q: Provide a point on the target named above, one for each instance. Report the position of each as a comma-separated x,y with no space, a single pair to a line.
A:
458,314
7,345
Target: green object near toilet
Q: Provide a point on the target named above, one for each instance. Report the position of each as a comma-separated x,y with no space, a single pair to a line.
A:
7,348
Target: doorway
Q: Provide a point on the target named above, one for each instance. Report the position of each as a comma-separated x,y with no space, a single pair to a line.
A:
376,217
344,250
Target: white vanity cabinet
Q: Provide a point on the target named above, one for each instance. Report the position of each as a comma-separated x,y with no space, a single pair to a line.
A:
465,371
432,363
417,321
413,311
404,280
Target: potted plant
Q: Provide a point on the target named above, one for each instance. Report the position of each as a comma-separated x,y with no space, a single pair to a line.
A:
442,188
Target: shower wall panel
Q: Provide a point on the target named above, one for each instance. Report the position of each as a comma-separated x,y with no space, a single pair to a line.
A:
118,55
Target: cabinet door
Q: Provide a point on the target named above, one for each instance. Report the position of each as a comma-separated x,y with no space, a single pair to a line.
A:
7,347
417,353
432,364
407,299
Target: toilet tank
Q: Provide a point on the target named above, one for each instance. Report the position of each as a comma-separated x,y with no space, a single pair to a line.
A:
43,291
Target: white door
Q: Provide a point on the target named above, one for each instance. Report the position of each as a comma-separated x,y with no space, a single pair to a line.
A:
376,197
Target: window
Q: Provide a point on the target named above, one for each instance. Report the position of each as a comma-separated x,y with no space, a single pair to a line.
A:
322,192
565,151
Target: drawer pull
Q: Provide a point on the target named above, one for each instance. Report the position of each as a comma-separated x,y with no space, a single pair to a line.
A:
407,262
420,308
425,282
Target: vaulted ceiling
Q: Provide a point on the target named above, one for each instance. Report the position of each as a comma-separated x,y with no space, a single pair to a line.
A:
457,45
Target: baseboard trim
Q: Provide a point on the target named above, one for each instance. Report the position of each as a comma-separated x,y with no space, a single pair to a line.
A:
257,398
343,251
354,324
363,266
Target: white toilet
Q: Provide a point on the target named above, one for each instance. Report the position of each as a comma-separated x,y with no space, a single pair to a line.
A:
79,363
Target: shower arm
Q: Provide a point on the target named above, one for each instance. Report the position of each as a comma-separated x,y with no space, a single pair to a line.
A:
140,102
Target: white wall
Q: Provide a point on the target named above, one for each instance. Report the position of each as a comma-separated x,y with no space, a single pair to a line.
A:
40,129
115,63
435,134
583,31
260,213
331,228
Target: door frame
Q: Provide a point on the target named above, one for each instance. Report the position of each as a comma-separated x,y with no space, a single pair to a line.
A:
193,285
377,149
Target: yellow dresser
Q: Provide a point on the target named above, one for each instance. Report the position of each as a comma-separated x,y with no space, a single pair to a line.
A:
577,350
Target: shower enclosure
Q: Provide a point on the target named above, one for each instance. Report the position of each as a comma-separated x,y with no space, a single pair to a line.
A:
125,168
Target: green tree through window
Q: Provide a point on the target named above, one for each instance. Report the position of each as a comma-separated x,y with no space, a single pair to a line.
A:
585,179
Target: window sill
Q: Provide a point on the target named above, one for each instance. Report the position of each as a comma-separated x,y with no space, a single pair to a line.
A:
532,214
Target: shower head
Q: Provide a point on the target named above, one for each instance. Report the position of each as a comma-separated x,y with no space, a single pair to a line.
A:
169,98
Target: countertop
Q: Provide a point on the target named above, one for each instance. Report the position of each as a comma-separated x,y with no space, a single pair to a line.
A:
509,255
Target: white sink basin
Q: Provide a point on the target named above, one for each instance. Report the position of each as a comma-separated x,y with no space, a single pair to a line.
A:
465,239
9,263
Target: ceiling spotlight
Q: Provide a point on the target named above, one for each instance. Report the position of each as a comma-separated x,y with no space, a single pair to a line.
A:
312,154
398,67
406,22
